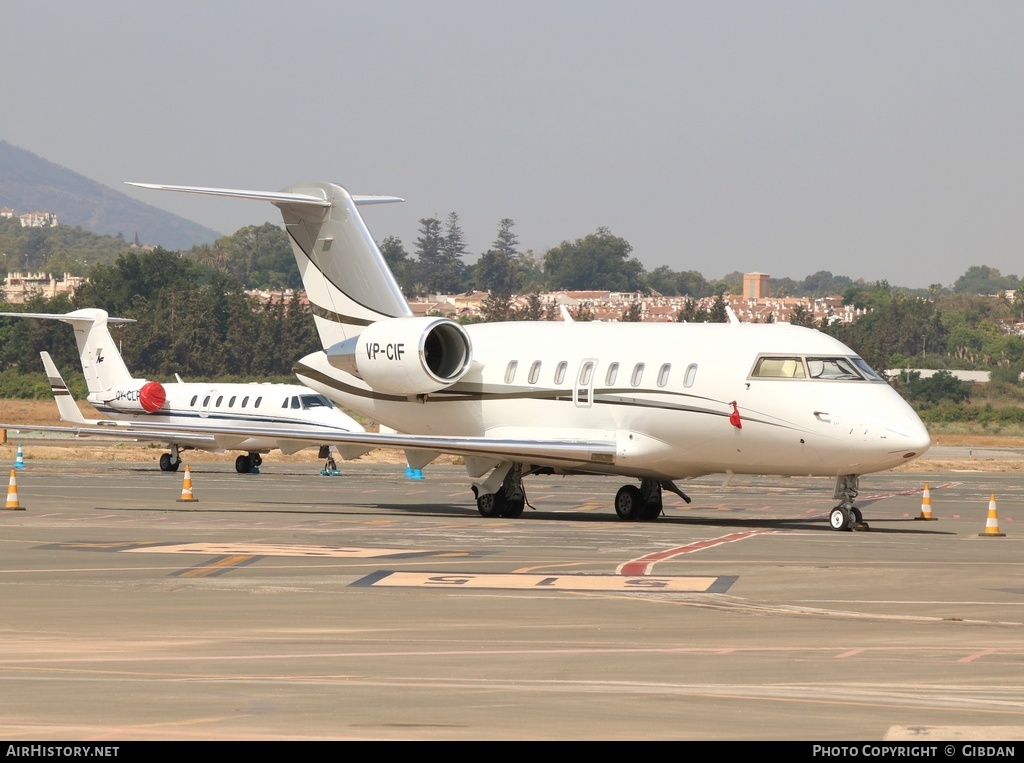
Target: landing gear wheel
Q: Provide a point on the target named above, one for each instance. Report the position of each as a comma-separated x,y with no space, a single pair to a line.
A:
166,465
839,518
491,505
628,503
243,465
855,516
650,511
514,508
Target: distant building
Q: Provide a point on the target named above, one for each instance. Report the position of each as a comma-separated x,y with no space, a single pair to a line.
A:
38,220
18,287
756,286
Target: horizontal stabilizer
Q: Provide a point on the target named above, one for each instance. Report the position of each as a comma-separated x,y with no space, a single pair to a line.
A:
72,317
275,197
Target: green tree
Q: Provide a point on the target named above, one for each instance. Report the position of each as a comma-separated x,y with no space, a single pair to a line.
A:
633,313
397,259
692,312
718,312
597,261
802,316
440,268
942,385
981,279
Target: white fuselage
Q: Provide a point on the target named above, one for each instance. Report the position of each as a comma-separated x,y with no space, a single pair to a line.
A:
204,406
667,406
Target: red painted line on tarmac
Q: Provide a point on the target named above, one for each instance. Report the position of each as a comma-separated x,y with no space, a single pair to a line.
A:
851,653
645,564
913,491
978,656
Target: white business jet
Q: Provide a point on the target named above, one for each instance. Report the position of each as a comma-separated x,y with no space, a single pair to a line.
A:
655,403
192,415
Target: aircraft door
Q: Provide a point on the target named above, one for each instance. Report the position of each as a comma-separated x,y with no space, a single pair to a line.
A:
583,390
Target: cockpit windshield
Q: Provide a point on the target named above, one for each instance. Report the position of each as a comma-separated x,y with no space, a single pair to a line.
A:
315,401
833,368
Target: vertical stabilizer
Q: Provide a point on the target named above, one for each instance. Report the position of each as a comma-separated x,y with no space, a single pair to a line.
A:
102,364
347,280
348,283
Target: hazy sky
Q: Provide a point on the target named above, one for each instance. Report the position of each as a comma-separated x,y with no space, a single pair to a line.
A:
878,140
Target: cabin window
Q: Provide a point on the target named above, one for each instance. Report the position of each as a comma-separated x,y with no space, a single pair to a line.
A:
612,375
194,398
779,368
638,374
832,368
510,372
257,403
586,372
560,372
245,401
220,399
206,401
231,402
691,375
663,374
534,372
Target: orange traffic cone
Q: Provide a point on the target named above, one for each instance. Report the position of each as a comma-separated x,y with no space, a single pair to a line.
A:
926,504
186,488
992,524
12,495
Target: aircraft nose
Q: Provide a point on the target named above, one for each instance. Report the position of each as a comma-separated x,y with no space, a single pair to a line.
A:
909,434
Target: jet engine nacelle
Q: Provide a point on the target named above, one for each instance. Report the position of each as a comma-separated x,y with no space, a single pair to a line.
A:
406,356
147,398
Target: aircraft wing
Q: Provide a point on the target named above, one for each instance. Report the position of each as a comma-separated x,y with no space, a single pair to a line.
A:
554,451
116,430
205,439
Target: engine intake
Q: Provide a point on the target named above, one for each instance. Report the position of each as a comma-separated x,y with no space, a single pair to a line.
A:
406,356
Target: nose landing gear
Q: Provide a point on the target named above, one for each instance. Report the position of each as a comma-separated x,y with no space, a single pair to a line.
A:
846,516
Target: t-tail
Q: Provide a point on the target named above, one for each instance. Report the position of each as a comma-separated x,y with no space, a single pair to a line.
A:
347,280
102,364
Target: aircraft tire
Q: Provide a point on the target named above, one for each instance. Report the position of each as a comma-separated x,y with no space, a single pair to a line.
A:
166,465
514,509
491,505
628,503
839,518
243,465
649,512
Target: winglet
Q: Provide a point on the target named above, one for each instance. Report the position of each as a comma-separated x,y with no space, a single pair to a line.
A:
62,396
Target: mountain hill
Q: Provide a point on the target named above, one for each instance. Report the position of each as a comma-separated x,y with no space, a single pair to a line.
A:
29,183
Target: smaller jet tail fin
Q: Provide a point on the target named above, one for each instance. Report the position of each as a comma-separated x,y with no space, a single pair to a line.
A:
66,405
347,280
102,364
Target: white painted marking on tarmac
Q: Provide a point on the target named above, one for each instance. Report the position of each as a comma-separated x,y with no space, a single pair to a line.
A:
273,549
615,583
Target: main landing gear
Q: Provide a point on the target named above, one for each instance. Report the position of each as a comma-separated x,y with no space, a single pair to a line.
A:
249,464
644,502
169,462
846,516
631,502
508,501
